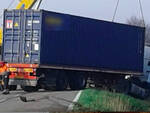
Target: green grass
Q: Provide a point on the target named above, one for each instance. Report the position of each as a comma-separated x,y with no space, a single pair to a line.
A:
104,101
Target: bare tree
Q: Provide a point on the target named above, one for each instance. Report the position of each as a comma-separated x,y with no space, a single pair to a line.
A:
139,22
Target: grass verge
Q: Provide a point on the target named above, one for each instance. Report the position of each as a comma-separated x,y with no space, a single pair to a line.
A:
104,101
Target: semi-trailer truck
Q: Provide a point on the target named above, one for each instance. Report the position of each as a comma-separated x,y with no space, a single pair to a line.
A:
43,48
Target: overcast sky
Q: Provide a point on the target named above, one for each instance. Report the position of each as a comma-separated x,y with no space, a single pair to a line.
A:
98,9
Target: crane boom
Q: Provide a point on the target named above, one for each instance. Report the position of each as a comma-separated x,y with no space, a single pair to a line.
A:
25,4
29,4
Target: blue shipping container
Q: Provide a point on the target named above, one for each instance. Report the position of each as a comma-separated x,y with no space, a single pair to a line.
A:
60,40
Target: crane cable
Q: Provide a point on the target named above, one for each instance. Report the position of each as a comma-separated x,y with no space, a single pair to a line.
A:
9,5
115,11
141,8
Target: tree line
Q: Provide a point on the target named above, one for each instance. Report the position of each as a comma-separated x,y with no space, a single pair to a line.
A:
139,22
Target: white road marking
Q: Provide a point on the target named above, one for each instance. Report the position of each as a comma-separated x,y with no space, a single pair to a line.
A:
2,100
6,99
70,107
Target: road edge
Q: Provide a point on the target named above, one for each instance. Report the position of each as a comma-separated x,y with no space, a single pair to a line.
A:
70,107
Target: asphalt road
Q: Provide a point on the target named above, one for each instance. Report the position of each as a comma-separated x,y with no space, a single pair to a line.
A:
51,101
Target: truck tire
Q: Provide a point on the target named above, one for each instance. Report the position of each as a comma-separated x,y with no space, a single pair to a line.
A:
29,88
61,81
12,87
123,86
77,82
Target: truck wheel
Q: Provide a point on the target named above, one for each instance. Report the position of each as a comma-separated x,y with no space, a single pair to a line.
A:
61,82
123,86
29,88
12,87
77,82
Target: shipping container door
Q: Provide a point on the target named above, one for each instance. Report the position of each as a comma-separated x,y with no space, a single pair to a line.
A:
31,36
12,36
21,36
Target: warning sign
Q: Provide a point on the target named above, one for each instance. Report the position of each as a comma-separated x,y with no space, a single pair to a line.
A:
16,24
9,24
